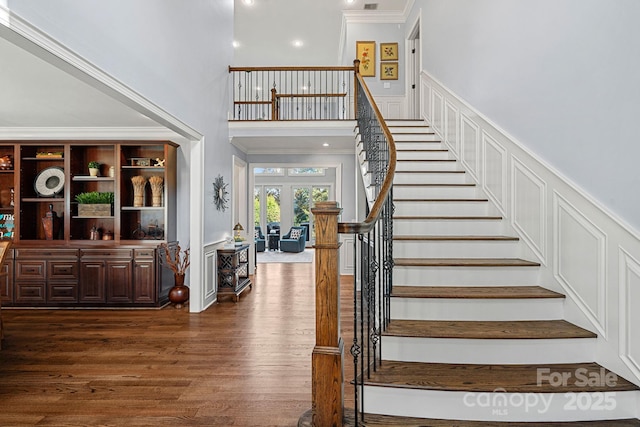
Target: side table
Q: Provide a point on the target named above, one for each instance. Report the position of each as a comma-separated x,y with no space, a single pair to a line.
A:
274,242
233,271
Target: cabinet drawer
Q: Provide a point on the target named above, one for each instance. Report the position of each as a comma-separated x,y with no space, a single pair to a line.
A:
30,293
30,270
106,253
144,253
62,270
63,292
46,253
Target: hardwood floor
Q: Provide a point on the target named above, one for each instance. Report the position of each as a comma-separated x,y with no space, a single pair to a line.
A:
236,364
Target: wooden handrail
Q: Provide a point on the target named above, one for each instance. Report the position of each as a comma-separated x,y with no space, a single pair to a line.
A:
366,225
316,68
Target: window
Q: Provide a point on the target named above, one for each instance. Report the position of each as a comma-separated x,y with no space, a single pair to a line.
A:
306,171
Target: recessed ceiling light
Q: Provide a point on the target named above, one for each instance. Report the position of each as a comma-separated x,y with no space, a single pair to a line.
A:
297,43
325,144
236,43
349,1
248,2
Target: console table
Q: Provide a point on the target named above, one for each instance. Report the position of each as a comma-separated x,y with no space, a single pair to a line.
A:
233,271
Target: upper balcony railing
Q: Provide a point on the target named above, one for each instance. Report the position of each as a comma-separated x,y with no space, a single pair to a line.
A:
292,93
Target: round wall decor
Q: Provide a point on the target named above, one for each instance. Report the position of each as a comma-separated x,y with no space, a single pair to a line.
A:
220,193
49,181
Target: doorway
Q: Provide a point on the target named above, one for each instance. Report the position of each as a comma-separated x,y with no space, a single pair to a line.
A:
414,68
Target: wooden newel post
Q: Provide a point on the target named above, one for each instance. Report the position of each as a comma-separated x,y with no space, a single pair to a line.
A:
327,375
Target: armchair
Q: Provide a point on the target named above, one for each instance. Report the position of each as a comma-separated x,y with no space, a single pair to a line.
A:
260,240
294,240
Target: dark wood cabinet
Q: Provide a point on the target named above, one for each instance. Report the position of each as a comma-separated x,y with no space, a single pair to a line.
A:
57,259
233,271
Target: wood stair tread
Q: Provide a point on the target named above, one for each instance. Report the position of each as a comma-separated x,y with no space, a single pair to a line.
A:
434,171
488,378
487,329
415,150
447,217
440,200
456,238
425,160
375,420
463,184
464,262
474,292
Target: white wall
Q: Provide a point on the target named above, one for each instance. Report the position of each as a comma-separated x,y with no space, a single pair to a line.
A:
163,50
558,75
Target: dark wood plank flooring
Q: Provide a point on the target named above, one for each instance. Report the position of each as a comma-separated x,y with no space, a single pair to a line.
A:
236,364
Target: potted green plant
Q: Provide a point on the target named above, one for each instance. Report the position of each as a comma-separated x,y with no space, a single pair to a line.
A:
94,203
94,168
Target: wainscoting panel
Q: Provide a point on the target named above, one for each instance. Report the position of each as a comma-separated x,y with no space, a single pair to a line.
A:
437,110
629,313
528,207
346,254
210,275
425,101
495,171
451,127
586,251
580,249
470,152
392,107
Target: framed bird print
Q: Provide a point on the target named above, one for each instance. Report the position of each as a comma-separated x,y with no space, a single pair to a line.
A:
388,51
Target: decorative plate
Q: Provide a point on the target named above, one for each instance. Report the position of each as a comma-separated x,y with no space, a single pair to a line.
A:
49,181
220,193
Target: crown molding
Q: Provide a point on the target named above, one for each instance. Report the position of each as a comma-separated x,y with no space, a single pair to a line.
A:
94,133
373,17
23,34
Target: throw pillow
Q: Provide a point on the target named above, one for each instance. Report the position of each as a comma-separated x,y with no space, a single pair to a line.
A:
256,234
295,233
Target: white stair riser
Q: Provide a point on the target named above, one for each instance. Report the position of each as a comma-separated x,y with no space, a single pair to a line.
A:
466,276
436,192
399,130
394,123
488,351
456,249
475,227
430,178
441,208
415,137
424,155
476,309
414,165
423,145
499,405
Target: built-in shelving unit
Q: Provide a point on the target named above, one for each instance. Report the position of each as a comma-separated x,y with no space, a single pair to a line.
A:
61,257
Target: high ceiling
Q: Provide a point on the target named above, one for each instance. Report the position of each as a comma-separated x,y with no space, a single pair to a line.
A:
266,30
36,93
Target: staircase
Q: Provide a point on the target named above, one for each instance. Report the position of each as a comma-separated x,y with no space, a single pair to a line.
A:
474,336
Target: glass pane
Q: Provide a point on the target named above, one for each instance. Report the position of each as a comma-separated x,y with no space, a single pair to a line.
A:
301,208
269,171
256,205
320,194
273,208
306,171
